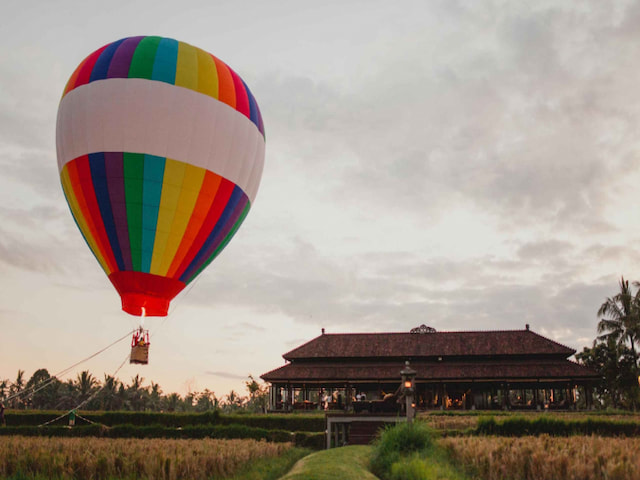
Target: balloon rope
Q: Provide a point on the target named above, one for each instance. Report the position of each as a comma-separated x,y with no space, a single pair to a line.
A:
37,388
81,404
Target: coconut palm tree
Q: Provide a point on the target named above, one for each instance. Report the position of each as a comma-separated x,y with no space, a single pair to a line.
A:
85,385
172,401
155,397
137,394
4,388
16,387
109,399
620,318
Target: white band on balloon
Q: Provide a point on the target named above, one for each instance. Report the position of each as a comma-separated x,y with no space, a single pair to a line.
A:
145,116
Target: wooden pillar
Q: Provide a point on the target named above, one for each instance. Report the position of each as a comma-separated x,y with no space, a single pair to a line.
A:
445,397
588,392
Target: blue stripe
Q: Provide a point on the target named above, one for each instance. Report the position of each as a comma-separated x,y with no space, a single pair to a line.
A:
151,195
101,189
101,67
253,106
200,257
165,63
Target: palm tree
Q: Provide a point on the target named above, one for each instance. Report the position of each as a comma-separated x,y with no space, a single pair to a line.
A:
620,318
85,385
4,388
16,388
137,393
155,397
172,401
109,399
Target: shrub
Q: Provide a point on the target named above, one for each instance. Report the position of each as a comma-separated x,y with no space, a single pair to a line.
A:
519,426
292,423
396,442
411,469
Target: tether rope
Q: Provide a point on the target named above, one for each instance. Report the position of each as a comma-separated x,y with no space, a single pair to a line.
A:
40,386
84,402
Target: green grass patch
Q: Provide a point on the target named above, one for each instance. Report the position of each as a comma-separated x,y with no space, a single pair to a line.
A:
411,452
521,426
432,464
272,468
344,463
309,422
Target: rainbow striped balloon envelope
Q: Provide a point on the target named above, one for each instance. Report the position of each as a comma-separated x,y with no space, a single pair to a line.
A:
160,150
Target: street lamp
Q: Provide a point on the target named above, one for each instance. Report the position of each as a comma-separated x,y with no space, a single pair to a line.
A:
408,389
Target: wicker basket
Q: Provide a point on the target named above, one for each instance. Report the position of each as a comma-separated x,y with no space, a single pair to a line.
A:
140,354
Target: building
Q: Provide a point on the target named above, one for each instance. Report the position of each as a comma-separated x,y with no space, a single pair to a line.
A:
508,369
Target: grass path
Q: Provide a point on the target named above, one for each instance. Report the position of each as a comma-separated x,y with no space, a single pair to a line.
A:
345,463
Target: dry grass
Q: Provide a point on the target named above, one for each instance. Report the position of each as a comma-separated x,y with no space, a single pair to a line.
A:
547,458
451,422
463,422
100,458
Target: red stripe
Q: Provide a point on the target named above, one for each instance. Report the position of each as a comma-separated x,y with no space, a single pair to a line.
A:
242,100
85,69
76,187
84,177
217,207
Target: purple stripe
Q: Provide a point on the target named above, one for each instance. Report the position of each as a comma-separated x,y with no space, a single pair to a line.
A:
114,166
205,254
119,67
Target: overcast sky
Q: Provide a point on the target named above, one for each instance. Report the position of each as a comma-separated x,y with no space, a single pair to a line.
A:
464,165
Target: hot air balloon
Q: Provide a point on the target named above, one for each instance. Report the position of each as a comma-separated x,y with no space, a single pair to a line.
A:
160,149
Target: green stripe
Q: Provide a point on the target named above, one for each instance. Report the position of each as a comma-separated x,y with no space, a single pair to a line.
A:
133,180
224,243
144,58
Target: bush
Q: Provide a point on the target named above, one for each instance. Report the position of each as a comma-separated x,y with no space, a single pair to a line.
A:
314,440
292,423
411,469
396,442
520,426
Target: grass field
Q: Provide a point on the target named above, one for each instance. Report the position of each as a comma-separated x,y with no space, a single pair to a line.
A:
98,458
546,458
348,463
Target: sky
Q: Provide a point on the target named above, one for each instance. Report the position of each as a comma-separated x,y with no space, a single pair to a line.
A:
464,165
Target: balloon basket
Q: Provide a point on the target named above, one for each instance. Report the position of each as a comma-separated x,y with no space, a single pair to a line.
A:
140,347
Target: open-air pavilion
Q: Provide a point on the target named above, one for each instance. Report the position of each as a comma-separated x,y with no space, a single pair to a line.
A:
506,369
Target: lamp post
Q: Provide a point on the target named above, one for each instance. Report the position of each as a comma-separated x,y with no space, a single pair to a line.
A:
408,389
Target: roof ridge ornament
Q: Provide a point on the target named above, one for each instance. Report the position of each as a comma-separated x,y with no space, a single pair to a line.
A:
423,329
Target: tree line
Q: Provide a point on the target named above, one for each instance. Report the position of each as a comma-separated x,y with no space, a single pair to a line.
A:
44,392
614,353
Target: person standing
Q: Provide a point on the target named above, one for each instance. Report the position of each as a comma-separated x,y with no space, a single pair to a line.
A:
3,422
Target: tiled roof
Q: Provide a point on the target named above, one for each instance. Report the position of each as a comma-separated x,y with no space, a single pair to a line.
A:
438,344
488,370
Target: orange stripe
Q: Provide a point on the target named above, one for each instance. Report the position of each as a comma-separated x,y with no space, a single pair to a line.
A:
80,178
226,89
72,200
72,79
208,191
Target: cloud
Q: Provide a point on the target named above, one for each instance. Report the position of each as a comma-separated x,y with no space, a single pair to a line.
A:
226,375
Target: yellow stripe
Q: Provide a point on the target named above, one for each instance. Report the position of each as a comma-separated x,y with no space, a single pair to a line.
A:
171,185
77,214
207,74
182,183
187,66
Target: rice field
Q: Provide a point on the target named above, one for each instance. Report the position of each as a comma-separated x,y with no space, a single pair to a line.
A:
462,422
99,458
546,458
